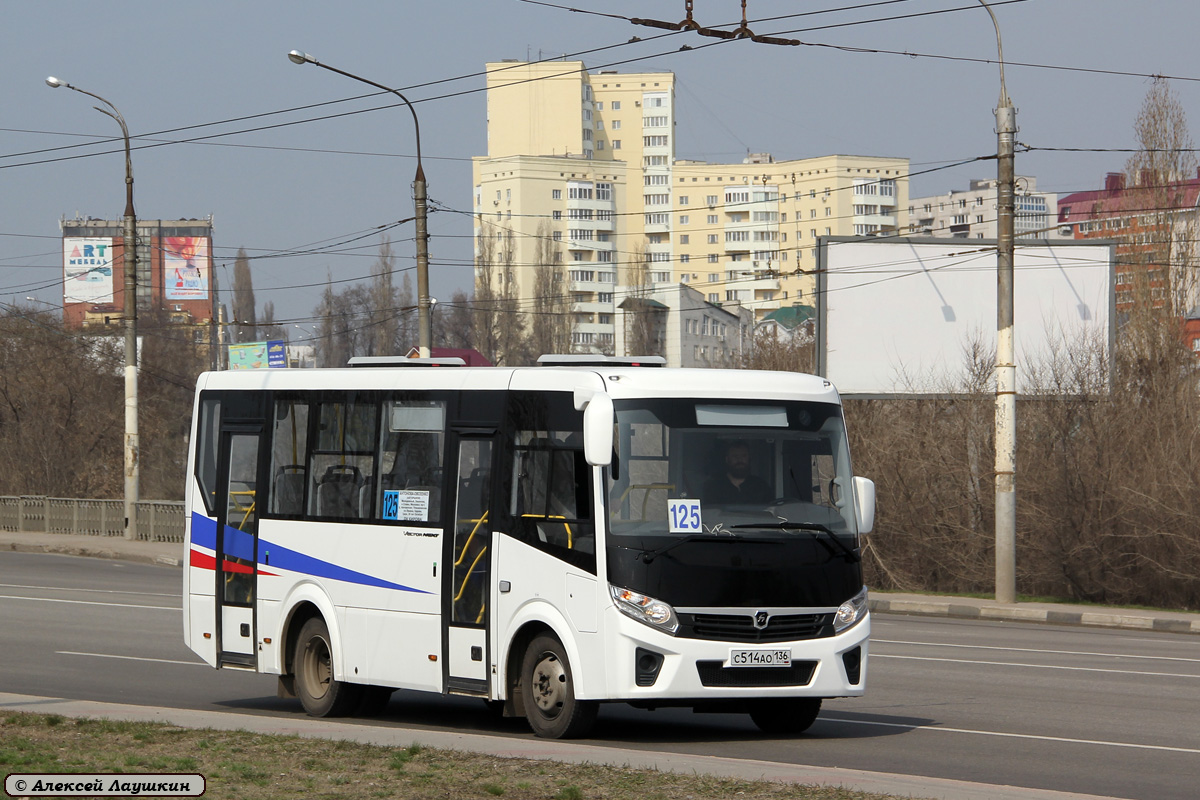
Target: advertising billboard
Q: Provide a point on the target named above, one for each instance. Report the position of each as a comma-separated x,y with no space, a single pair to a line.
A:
900,316
87,270
185,267
258,355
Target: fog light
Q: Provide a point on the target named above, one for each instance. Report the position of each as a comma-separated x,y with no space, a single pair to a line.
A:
646,666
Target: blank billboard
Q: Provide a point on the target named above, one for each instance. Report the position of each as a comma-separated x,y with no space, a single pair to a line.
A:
895,316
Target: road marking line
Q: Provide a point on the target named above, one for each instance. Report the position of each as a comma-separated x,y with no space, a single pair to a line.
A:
106,655
1038,666
132,658
77,589
1001,734
85,602
1036,650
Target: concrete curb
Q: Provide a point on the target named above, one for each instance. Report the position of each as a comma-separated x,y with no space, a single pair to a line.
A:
542,749
97,550
1144,621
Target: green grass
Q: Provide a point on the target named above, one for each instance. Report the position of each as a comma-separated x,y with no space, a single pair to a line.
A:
247,766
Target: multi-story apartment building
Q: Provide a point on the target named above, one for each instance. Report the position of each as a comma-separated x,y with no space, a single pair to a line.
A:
1155,222
972,213
581,171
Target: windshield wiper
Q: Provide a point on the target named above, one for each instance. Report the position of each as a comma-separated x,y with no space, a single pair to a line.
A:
815,528
649,555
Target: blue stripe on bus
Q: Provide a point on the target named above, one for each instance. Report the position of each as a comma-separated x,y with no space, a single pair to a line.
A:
204,531
283,558
241,545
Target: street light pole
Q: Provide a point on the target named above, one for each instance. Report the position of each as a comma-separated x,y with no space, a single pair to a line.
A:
420,203
1006,367
131,382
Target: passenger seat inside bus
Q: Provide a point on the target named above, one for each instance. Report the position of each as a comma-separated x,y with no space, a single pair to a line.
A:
337,491
287,492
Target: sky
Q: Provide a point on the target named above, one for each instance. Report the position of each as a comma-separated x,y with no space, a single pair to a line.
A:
297,157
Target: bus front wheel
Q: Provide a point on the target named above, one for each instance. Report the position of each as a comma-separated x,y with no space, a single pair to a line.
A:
319,693
548,692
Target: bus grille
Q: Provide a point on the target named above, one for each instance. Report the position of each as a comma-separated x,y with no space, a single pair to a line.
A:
740,627
713,674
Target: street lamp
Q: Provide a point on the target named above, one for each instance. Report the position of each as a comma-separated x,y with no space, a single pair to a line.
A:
1006,366
425,334
131,387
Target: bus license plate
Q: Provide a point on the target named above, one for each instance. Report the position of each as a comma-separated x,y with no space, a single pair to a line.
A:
760,658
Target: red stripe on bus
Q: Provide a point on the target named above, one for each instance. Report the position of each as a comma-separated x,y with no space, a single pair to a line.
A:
202,560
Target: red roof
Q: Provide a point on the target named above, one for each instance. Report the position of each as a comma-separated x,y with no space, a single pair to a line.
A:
1116,200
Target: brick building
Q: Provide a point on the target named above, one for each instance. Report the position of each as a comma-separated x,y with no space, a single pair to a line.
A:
174,272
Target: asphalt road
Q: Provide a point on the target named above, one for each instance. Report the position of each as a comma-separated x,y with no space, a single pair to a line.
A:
1072,709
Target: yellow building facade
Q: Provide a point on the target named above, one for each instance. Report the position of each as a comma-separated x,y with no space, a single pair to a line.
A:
581,171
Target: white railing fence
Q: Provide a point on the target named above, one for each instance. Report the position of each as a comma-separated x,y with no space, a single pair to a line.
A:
158,520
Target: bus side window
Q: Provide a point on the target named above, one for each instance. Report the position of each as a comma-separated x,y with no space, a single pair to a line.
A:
289,449
551,503
343,460
410,461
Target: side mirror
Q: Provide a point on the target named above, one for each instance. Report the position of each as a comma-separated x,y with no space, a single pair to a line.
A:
864,504
598,430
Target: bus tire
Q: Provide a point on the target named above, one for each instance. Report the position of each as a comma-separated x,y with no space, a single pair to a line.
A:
548,692
319,693
785,715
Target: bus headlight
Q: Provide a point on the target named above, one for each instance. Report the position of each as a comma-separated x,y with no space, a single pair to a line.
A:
850,612
647,610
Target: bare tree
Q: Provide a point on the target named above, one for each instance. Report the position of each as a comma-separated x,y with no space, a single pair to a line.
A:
454,322
499,325
243,299
777,347
382,307
268,328
550,320
643,318
1159,238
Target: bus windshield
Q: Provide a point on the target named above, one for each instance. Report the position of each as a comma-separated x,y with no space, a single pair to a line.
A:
729,468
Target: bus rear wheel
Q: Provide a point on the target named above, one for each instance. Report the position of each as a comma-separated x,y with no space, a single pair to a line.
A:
548,692
785,715
319,693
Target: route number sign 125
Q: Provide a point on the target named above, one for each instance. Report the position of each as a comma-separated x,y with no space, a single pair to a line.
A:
684,516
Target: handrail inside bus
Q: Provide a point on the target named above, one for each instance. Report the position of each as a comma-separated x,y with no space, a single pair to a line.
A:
237,505
649,487
566,525
467,544
467,577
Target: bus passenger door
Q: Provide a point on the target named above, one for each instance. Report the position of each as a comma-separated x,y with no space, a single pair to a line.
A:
237,545
468,572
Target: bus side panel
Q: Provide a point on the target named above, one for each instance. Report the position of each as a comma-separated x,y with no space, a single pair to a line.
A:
202,618
200,580
544,589
393,648
270,642
382,580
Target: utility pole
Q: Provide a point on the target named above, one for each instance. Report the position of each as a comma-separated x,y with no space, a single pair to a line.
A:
420,205
1006,367
132,455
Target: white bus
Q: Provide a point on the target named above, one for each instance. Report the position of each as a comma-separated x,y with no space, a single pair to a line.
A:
544,538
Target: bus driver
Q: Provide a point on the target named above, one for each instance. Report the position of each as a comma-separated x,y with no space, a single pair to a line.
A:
735,484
